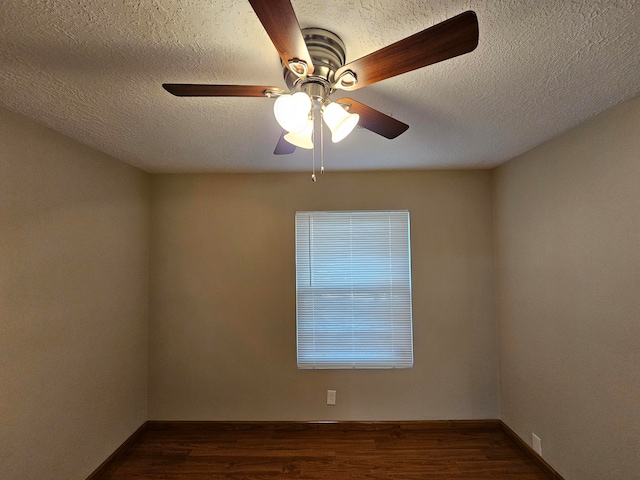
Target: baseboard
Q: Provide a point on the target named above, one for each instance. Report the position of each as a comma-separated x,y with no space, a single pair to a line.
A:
324,425
530,452
119,451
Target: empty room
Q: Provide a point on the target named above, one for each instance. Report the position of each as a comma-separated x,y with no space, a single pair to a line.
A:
303,239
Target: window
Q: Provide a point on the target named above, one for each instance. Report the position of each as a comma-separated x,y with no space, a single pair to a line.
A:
353,290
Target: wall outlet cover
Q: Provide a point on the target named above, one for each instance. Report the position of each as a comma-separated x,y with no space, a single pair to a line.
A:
536,443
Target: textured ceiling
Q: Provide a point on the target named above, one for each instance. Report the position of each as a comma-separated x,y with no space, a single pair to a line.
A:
93,70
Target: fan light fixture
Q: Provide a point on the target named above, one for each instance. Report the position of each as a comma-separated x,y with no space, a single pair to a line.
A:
292,111
303,139
340,122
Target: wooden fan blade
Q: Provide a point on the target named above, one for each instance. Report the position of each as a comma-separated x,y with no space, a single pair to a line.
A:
283,147
281,24
195,90
453,37
373,120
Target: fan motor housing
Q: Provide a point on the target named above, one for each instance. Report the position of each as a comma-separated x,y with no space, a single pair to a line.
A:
327,52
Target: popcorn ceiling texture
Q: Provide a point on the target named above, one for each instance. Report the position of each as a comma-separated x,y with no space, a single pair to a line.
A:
93,70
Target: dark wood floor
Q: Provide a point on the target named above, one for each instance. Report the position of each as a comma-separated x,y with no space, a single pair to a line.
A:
198,451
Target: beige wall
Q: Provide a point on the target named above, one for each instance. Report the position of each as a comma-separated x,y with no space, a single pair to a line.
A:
568,270
222,299
73,303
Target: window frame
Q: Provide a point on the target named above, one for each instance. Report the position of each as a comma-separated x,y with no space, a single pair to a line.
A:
395,351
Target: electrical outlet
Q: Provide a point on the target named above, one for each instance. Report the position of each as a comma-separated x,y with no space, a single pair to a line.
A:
331,397
537,444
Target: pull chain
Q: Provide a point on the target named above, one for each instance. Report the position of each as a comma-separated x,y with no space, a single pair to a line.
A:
321,145
313,153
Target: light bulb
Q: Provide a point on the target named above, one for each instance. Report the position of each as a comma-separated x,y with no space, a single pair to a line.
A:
292,111
340,122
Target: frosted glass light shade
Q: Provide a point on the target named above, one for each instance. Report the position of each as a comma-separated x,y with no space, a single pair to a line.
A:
303,139
292,111
339,121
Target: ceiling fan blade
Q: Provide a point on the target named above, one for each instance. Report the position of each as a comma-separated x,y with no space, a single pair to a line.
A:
283,147
280,22
195,90
373,120
455,36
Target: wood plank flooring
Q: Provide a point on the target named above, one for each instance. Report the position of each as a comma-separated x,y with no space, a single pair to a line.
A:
394,450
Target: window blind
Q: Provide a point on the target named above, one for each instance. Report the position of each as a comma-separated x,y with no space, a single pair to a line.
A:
353,290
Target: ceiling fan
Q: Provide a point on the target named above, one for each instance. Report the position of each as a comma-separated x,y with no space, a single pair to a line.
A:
314,66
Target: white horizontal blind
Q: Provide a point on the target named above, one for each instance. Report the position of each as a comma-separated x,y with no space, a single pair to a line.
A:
353,290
